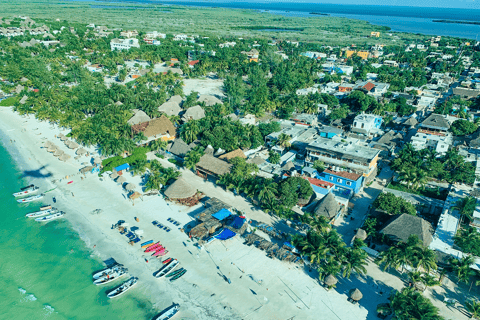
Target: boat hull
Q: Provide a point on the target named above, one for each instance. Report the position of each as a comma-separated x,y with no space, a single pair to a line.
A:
114,294
169,268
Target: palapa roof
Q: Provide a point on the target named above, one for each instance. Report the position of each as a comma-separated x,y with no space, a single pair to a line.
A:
256,160
287,166
391,138
114,175
180,148
180,189
330,280
400,227
412,121
130,187
209,150
121,179
81,151
58,152
233,154
138,117
64,157
170,108
327,207
436,121
86,169
193,113
214,165
209,100
159,126
355,294
361,234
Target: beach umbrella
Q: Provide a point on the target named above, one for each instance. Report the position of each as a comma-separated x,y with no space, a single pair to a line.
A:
58,153
130,187
121,180
355,294
52,148
86,169
81,151
47,144
73,145
361,234
97,160
62,137
330,280
68,143
64,157
114,175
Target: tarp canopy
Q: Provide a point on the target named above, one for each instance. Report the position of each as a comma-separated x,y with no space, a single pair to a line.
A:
225,234
237,223
222,214
122,167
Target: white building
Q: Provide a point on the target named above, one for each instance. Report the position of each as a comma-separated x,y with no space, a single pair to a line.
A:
129,33
227,44
438,143
367,124
155,35
390,63
180,37
124,44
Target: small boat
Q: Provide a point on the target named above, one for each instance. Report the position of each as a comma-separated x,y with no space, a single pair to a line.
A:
168,313
26,190
167,269
179,275
104,272
51,217
111,276
146,243
154,247
41,213
32,198
160,254
158,251
124,287
167,260
173,273
46,207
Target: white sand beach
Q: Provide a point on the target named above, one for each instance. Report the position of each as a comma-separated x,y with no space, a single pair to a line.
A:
286,290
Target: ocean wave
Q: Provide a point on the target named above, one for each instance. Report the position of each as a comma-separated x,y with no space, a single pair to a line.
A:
31,297
22,290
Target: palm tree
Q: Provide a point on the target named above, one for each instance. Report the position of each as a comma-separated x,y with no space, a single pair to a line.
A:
354,260
266,190
192,158
465,207
473,306
461,268
189,131
158,144
424,258
389,258
410,304
284,140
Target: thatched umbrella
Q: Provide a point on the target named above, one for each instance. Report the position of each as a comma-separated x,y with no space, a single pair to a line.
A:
330,280
47,144
130,187
64,157
121,180
68,143
52,148
62,137
86,169
73,145
355,294
58,153
81,151
361,234
114,175
97,160
180,189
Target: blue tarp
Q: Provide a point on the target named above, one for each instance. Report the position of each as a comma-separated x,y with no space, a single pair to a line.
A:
221,214
122,167
237,223
225,234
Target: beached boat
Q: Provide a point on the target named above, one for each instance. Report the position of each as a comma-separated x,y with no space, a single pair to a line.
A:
160,254
168,260
26,191
115,274
173,273
41,213
105,272
145,244
168,313
166,269
121,289
154,247
32,198
51,217
178,275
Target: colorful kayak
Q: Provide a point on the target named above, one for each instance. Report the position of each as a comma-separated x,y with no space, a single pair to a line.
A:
167,260
178,276
146,243
30,199
154,247
40,213
173,273
162,272
124,287
168,313
51,217
26,191
161,254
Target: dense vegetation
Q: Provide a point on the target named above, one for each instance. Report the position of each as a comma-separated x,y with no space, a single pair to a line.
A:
394,205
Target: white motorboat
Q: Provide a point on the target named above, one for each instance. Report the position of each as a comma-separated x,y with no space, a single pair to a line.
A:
121,289
41,213
168,313
51,217
115,274
32,198
162,272
105,272
26,191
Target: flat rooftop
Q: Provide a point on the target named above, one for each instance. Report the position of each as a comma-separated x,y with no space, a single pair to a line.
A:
346,148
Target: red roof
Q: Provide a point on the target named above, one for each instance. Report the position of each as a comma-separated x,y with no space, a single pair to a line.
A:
369,86
194,62
35,90
344,174
319,183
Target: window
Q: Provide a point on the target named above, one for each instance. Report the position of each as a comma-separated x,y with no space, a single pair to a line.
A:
339,180
348,183
331,178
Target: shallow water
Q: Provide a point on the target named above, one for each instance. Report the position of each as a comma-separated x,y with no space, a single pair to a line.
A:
46,268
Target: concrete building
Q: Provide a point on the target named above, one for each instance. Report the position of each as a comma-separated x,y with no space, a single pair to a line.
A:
124,44
368,124
433,133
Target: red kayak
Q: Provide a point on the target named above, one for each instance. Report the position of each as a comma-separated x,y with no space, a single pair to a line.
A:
151,248
158,249
160,253
167,260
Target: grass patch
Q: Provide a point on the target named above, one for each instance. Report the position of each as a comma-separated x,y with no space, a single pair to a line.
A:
434,193
138,154
10,101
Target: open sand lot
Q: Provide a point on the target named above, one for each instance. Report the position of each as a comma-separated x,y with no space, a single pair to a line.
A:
204,86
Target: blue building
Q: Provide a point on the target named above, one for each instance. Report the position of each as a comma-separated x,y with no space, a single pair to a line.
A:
329,132
347,183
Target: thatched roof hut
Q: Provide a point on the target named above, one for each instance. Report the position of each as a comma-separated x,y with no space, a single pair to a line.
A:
52,148
47,144
400,227
233,154
355,294
62,137
73,145
361,234
330,280
180,148
180,189
328,207
288,166
209,165
193,113
97,160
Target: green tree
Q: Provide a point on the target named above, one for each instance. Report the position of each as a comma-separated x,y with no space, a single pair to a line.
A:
473,306
319,165
393,205
273,157
465,207
463,127
193,157
461,268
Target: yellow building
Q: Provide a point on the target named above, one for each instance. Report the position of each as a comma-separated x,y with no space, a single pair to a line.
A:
375,34
362,54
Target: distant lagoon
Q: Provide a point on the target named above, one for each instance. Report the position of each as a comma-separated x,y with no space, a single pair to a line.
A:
399,19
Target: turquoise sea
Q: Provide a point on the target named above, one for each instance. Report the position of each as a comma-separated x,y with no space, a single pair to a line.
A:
45,270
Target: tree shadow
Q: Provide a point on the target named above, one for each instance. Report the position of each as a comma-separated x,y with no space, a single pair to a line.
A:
36,173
